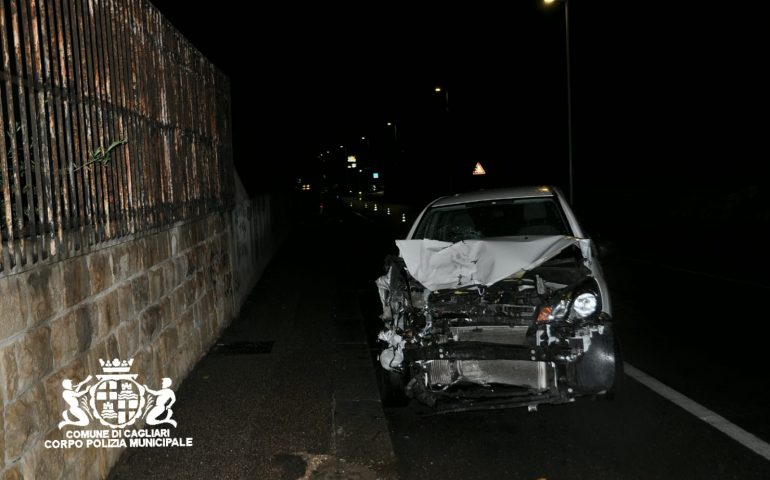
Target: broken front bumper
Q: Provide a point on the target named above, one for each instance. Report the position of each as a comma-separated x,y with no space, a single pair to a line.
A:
478,375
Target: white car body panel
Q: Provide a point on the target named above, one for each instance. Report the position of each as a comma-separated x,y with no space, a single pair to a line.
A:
434,268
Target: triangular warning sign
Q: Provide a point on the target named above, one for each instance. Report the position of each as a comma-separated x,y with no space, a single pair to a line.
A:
479,170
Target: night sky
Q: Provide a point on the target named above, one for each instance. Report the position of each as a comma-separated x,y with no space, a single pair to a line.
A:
669,104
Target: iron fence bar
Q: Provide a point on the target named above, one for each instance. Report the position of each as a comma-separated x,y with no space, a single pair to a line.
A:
105,130
97,84
78,75
56,133
71,117
124,125
113,92
45,205
9,156
31,256
34,184
81,127
6,200
117,207
89,95
134,169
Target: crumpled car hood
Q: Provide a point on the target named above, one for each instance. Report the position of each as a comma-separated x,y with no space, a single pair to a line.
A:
439,265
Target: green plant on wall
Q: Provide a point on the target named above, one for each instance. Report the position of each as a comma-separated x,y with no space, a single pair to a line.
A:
102,155
22,170
99,156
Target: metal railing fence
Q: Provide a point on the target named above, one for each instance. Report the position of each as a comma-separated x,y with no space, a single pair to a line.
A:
111,124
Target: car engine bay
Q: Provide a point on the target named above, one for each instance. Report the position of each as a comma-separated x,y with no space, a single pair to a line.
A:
537,336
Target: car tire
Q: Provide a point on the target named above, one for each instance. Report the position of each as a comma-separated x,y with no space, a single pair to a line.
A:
614,391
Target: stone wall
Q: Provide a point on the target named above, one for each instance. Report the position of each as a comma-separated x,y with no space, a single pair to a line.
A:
161,299
258,227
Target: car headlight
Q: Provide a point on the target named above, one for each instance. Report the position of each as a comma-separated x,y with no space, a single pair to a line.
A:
584,305
554,312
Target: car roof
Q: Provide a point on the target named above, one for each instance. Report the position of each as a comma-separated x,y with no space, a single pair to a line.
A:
495,194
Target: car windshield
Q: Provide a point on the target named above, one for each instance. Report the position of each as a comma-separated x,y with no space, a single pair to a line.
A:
498,218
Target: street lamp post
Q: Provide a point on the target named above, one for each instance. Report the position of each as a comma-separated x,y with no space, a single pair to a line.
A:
392,168
569,96
395,133
439,89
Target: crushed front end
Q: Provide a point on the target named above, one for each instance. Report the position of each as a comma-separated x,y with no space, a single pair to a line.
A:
539,335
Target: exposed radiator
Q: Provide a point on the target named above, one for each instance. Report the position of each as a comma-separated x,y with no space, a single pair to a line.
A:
519,373
509,335
439,372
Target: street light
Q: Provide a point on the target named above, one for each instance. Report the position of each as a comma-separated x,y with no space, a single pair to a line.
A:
395,133
569,96
440,89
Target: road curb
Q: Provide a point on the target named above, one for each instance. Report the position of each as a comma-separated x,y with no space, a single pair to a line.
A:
360,433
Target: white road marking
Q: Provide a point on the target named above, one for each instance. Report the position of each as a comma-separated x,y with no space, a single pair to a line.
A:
748,440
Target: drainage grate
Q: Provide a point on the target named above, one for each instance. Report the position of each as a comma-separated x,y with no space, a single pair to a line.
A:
243,348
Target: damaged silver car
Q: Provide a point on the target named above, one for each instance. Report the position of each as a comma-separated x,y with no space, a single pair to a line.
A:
496,300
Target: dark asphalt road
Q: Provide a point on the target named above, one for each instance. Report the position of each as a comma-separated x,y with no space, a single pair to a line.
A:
251,419
697,334
638,436
684,329
309,403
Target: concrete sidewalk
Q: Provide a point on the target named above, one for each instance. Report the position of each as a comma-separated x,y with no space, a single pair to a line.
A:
310,408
